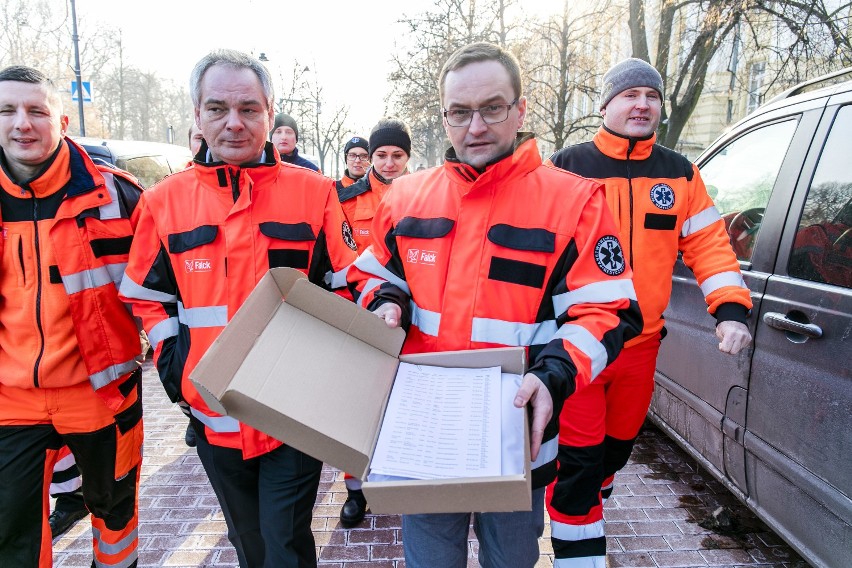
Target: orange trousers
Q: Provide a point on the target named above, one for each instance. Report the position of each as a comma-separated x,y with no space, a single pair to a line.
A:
34,425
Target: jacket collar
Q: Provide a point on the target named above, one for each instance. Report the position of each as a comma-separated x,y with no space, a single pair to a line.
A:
68,168
221,175
622,147
523,157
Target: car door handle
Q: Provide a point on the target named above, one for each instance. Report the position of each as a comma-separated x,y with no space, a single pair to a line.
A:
780,321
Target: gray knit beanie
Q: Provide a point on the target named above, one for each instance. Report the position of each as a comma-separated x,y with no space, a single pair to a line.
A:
628,74
282,119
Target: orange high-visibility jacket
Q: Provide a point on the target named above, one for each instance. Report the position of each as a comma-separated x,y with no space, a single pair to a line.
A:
360,201
66,238
205,237
519,255
661,207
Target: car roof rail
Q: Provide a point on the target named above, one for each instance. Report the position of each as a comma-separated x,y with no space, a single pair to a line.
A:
833,78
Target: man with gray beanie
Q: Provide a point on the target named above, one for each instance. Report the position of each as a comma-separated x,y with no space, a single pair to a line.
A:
284,136
661,208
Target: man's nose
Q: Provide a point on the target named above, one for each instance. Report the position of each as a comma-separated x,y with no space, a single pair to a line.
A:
477,124
235,121
22,120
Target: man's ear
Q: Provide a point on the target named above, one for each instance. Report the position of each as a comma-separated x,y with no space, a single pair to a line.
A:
63,124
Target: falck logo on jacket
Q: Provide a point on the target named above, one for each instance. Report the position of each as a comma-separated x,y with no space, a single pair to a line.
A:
609,255
662,195
198,265
417,256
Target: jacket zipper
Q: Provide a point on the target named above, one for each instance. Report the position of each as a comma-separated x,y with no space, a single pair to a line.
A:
38,293
235,184
21,260
631,144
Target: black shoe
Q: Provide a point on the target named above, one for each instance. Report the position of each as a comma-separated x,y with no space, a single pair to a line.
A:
354,509
189,437
60,521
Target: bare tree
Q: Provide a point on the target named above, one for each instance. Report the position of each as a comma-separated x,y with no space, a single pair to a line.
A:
691,32
561,64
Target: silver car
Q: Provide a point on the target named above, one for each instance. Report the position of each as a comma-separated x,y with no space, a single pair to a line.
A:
774,424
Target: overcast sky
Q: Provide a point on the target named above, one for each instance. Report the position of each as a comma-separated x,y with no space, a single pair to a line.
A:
346,44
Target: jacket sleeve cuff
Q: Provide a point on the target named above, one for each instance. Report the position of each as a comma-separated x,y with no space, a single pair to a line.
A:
731,311
393,295
558,376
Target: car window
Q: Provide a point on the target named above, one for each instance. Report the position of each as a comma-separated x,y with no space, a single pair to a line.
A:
147,169
740,178
822,249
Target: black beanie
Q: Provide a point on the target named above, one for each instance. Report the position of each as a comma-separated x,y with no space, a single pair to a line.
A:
389,136
282,119
356,142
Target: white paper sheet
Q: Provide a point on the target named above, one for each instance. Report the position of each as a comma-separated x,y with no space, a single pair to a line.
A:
440,423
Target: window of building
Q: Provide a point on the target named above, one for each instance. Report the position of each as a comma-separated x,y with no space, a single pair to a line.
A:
756,78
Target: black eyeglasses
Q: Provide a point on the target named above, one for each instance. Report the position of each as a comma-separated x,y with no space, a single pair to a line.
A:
358,157
490,114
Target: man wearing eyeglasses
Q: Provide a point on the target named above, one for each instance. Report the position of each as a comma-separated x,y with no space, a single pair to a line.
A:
357,157
494,249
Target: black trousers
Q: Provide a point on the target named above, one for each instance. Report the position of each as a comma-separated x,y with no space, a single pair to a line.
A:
268,503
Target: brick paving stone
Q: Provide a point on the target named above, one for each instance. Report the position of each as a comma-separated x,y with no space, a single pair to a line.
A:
652,518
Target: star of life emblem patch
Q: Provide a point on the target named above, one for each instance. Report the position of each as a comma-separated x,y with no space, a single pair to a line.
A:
609,255
662,195
347,236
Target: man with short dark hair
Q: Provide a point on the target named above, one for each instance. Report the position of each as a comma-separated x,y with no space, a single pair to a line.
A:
68,345
520,255
205,237
284,136
661,208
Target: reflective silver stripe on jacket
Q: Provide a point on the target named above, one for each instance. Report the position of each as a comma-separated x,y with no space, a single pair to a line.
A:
547,453
582,339
368,263
730,278
221,424
163,330
335,280
94,278
596,293
111,210
699,221
130,289
427,321
108,375
564,531
203,316
116,548
512,333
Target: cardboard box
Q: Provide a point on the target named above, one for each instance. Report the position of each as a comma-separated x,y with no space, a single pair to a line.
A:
314,370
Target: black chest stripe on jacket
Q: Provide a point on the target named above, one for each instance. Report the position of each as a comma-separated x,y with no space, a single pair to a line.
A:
417,228
291,258
586,160
188,240
517,272
288,231
518,238
660,221
17,209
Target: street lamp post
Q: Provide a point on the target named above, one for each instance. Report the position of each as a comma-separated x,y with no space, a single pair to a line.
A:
75,40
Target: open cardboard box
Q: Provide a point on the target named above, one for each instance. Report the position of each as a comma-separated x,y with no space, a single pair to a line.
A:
316,371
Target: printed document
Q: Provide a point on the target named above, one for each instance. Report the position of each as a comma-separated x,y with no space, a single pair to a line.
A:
440,423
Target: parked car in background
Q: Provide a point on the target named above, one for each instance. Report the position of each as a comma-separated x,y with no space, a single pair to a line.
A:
774,424
148,161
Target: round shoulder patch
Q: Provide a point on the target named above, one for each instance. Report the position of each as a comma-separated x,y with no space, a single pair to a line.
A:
347,236
662,195
609,256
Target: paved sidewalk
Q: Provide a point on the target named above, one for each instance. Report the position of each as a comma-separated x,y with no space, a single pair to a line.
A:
652,518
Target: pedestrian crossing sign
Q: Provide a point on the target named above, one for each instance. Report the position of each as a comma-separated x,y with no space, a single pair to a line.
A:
87,91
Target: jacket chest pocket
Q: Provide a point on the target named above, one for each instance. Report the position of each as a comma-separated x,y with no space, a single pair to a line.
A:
195,249
289,244
518,254
421,242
